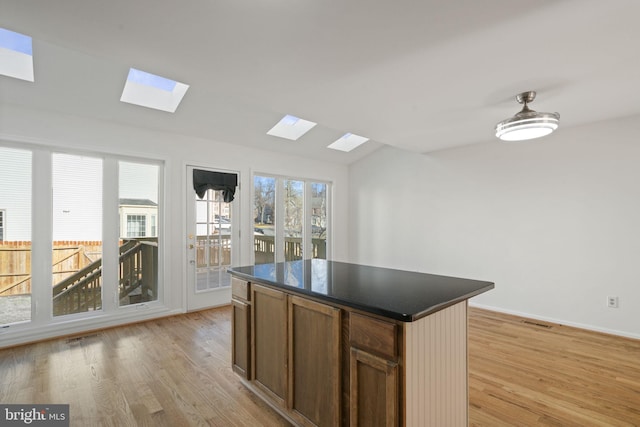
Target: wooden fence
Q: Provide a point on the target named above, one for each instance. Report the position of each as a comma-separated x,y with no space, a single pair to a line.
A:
68,258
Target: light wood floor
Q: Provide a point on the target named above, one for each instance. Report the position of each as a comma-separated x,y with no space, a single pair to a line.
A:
522,373
176,372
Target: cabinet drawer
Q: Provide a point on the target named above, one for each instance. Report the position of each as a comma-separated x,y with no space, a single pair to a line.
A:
240,289
376,336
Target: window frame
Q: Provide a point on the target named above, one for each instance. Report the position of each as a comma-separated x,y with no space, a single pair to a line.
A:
43,324
307,236
141,220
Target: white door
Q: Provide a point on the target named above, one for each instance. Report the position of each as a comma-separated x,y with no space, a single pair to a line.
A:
212,245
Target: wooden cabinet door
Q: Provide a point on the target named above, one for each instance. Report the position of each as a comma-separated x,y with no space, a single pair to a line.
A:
240,349
374,390
314,362
269,342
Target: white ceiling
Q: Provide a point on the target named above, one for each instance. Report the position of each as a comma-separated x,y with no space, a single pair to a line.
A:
420,75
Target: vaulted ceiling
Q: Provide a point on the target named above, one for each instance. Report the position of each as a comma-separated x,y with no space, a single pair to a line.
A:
419,75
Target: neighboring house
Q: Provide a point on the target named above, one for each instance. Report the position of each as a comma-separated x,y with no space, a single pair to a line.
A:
138,218
1,225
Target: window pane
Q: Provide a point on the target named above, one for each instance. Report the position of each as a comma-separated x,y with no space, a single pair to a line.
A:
293,219
136,225
213,241
77,234
319,220
138,272
264,214
15,235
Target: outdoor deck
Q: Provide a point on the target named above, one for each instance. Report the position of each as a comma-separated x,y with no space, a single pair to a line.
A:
77,271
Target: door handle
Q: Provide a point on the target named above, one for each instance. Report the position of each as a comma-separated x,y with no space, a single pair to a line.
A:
190,246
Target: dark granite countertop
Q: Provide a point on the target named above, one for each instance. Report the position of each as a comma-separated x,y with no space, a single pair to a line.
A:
396,294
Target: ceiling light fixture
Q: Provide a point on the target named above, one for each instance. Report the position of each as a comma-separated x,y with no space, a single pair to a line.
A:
527,124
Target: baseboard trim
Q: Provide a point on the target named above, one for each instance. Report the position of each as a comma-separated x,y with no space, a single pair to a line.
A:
558,321
15,335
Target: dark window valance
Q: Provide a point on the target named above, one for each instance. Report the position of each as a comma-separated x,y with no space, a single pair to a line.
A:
225,182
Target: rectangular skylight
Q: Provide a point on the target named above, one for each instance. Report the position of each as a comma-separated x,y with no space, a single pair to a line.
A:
291,127
348,142
16,55
152,91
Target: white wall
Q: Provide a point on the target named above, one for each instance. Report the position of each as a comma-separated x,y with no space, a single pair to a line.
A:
555,222
20,126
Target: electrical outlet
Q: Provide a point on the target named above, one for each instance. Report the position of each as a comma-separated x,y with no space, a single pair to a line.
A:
612,302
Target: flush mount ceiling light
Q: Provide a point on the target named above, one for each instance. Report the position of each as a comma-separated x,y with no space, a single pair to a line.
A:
527,124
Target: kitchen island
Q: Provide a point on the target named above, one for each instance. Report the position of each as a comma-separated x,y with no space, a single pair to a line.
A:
329,343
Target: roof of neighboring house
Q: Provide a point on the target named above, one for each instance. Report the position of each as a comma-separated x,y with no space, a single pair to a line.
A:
137,202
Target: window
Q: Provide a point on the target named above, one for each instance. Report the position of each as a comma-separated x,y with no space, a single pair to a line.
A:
319,219
154,230
264,216
293,219
15,243
290,219
136,225
138,252
74,198
213,240
77,233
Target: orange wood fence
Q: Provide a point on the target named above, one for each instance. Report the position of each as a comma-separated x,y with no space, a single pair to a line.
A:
68,258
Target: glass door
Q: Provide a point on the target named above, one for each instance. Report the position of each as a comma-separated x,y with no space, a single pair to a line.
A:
212,242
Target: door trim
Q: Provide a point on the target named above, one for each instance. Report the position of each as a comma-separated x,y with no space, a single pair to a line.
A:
198,300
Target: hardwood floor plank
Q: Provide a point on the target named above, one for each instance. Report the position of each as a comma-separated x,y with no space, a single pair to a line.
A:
177,372
558,375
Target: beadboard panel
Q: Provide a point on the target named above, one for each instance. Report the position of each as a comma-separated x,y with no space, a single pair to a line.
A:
436,357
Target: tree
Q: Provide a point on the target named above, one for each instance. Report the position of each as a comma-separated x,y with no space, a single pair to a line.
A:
264,197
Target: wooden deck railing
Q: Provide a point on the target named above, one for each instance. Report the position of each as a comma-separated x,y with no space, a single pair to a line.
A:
138,269
79,292
264,248
82,291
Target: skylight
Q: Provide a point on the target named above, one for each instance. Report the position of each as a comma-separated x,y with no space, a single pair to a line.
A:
291,127
348,142
152,91
16,55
